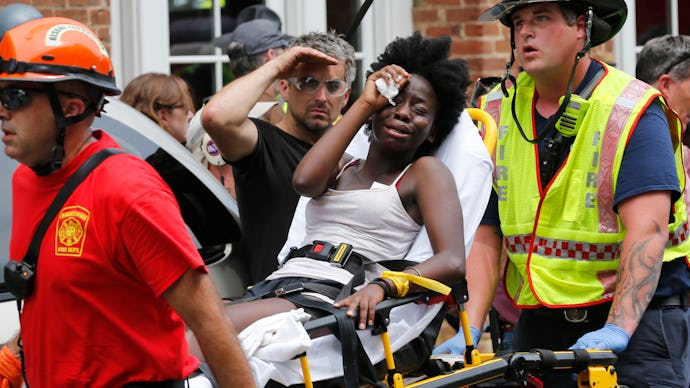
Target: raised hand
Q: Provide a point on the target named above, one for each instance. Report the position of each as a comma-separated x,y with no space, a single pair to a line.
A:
287,62
392,76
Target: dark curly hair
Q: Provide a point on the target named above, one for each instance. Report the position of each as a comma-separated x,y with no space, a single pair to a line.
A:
449,78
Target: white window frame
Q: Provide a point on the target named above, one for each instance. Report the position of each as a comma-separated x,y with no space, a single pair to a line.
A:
140,32
139,38
385,20
625,42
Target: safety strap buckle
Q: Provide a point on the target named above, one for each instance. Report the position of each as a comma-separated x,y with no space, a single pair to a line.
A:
325,251
320,250
340,255
289,289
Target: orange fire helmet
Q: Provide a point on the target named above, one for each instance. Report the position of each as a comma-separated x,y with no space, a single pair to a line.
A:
54,49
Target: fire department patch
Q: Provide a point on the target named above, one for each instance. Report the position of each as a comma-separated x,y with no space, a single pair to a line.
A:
70,232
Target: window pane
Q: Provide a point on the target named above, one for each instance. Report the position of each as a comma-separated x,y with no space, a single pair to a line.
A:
652,19
199,76
684,17
340,14
192,33
191,26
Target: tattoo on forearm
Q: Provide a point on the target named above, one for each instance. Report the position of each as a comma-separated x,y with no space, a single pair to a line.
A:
638,276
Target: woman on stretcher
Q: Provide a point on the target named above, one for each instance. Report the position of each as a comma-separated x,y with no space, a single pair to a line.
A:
379,204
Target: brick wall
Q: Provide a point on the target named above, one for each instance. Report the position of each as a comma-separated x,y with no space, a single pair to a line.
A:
484,45
94,13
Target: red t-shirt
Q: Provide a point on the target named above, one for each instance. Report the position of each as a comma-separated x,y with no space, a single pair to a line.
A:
97,317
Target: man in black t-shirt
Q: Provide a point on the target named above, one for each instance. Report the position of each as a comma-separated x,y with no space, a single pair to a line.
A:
315,75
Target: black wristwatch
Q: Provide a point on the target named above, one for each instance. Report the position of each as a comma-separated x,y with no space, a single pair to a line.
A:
383,284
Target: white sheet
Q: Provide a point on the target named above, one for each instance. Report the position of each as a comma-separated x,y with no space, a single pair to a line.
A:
324,354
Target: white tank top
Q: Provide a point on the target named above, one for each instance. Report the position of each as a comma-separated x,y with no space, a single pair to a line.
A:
373,220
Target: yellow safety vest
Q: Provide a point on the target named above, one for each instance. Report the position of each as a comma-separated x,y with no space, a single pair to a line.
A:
564,242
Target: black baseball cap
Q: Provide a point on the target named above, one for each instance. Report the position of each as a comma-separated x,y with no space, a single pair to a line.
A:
257,36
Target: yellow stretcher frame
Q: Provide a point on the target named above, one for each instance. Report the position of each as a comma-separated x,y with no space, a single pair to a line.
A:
477,368
488,128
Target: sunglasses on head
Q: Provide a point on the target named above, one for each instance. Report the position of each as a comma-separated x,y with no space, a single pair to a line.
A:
15,97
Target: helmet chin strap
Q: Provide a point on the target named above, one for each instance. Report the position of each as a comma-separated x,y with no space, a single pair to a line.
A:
61,122
569,90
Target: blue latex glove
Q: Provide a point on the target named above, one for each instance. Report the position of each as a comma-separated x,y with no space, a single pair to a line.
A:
456,345
609,337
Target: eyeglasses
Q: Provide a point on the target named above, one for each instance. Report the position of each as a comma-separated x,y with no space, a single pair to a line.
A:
15,97
309,85
682,58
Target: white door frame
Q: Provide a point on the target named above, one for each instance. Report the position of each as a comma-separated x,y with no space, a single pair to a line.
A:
139,38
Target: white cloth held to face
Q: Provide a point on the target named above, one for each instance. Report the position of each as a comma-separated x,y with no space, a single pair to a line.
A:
389,90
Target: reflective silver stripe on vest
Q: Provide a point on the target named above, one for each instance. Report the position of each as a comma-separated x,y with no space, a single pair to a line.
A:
562,249
677,236
493,105
608,222
493,108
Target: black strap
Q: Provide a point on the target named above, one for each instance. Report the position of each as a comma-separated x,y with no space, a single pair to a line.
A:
495,329
13,66
358,19
31,257
349,341
354,264
356,280
330,290
548,359
74,180
581,361
157,384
